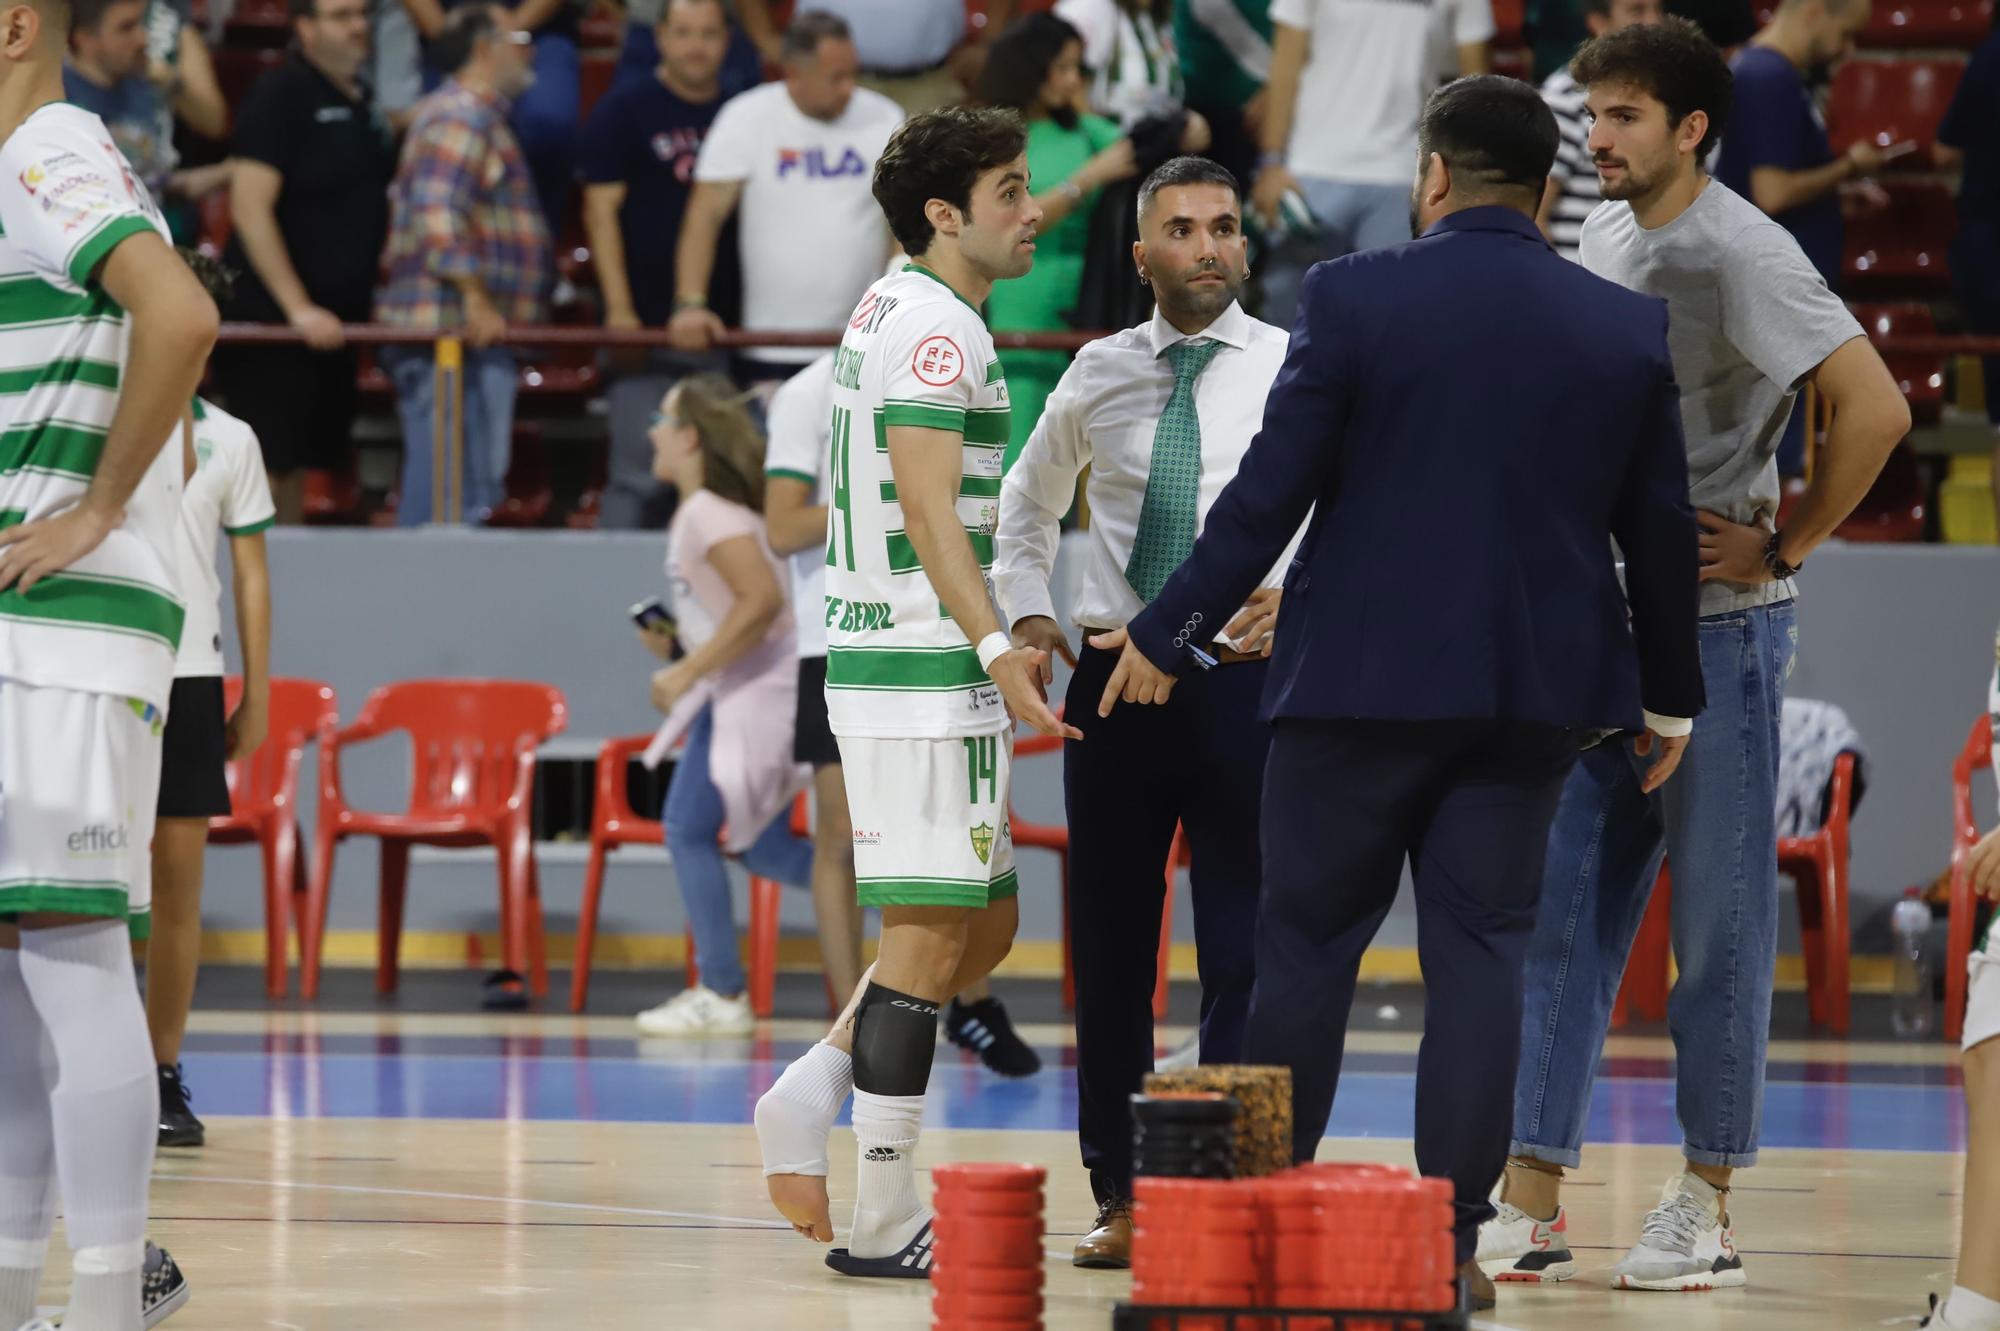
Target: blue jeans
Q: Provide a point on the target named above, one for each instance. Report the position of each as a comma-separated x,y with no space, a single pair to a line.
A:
545,123
490,381
1352,217
693,816
1716,822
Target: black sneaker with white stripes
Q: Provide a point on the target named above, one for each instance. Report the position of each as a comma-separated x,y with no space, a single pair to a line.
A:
983,1028
912,1263
163,1290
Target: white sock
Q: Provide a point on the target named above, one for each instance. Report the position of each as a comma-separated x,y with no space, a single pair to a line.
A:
105,1293
27,1148
1973,1312
887,1211
795,1117
105,1108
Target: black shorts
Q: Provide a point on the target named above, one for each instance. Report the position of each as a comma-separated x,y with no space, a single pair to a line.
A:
194,751
812,738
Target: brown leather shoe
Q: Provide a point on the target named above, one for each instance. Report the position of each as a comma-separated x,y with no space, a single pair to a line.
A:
1108,1245
1479,1289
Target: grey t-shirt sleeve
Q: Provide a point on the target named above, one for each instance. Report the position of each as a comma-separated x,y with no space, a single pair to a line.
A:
1776,308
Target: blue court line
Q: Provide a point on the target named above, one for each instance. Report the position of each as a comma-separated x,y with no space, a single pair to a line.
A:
764,1048
562,1087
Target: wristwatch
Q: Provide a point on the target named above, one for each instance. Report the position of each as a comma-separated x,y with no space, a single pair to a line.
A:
1775,563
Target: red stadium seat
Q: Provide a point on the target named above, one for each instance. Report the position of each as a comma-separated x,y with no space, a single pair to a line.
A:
597,73
1893,509
1907,245
1906,23
1886,102
263,803
236,70
529,496
474,742
1920,377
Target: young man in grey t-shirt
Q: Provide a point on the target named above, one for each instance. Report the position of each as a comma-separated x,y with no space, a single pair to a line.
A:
1749,322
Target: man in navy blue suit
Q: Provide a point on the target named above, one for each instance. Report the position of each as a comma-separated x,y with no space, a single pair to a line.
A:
1472,421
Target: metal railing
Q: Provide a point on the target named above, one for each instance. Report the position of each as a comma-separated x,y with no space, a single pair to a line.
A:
448,368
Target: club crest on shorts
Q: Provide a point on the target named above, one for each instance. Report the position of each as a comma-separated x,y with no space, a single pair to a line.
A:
982,841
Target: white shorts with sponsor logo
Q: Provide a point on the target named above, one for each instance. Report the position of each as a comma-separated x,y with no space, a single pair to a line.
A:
930,819
79,783
1982,989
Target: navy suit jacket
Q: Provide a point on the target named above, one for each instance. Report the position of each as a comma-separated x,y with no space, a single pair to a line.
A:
1476,418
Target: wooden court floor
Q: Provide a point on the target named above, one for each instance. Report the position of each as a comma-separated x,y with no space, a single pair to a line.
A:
495,1196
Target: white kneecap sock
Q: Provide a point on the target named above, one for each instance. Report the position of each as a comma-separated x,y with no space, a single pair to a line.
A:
887,1211
105,1109
1973,1312
795,1117
27,1147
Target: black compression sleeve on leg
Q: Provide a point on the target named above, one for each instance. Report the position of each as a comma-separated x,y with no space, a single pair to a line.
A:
895,1037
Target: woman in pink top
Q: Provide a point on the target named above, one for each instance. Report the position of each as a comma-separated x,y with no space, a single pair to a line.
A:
732,695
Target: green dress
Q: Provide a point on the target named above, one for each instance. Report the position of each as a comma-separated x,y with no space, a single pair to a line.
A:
1035,303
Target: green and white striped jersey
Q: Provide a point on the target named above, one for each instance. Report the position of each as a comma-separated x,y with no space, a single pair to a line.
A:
897,666
110,622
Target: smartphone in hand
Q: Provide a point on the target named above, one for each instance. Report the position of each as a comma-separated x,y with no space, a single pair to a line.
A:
651,617
1896,151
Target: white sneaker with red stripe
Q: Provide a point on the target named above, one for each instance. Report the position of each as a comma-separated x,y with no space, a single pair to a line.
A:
1686,1243
1515,1246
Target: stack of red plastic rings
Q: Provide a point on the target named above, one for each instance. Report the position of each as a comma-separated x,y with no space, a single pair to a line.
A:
1318,1236
1357,1236
987,1273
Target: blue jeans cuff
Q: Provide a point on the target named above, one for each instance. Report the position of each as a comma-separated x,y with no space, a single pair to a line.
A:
1720,1159
1548,1155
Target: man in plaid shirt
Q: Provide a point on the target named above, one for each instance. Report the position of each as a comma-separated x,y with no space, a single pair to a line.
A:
468,252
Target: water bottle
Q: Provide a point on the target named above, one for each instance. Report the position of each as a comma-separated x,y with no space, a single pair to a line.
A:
1912,1007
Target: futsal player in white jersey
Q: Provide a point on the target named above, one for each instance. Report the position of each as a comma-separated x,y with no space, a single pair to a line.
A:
103,335
1974,1301
227,493
921,682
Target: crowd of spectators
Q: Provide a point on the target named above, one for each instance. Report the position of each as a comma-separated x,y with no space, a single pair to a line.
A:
428,164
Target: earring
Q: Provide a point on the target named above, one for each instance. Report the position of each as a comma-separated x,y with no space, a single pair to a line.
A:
1145,278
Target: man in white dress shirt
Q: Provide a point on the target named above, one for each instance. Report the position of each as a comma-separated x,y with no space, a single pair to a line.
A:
1161,414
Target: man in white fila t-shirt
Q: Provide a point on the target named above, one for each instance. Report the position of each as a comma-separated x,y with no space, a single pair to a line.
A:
226,493
793,160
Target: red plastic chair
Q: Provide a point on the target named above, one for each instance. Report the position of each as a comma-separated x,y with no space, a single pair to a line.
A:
614,823
263,801
1977,755
1910,23
763,963
1906,246
1643,991
1051,837
1920,377
474,743
1885,102
1818,865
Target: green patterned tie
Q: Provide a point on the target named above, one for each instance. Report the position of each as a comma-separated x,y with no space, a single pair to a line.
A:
1173,487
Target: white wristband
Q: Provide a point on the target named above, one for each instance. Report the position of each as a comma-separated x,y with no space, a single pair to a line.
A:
991,648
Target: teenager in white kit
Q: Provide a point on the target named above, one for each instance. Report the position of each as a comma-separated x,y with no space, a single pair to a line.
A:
226,493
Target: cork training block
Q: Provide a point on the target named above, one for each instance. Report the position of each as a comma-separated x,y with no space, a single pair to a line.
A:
1264,1125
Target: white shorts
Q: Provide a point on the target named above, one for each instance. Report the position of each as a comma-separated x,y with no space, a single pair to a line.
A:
930,819
1982,988
79,783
